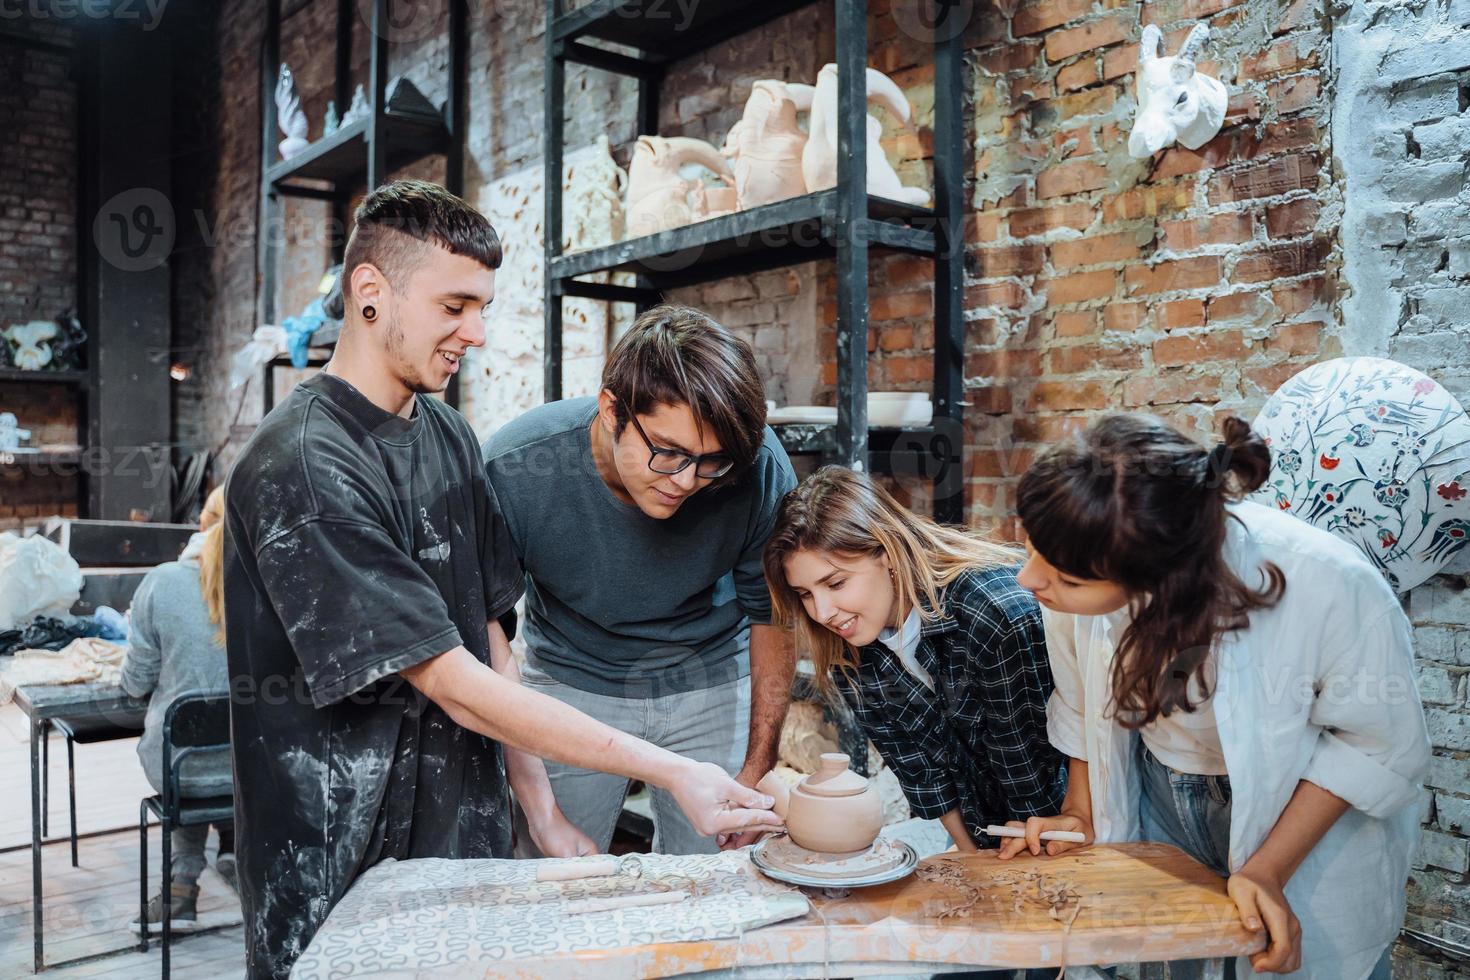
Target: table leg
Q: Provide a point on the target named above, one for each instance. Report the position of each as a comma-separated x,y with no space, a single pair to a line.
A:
1213,970
37,733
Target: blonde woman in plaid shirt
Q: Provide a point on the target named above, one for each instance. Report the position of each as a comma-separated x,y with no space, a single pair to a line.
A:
925,633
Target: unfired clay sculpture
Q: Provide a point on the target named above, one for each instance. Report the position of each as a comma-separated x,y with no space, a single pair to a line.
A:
767,144
358,109
658,196
30,343
289,115
832,811
1175,102
11,434
819,158
712,200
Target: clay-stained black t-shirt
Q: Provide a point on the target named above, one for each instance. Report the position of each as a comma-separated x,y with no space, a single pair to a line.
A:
359,543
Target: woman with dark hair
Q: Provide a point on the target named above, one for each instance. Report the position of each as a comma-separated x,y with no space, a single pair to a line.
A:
925,632
1230,680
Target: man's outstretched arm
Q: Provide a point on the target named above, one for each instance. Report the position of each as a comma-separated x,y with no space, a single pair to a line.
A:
482,700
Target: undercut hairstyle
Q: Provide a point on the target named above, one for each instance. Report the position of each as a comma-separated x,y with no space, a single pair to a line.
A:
676,355
395,225
1133,502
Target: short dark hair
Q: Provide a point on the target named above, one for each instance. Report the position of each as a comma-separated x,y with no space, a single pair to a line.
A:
676,355
394,222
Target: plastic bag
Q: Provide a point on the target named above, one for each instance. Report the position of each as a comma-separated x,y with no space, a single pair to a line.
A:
37,578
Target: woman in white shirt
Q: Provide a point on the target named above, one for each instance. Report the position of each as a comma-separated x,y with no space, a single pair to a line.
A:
1230,680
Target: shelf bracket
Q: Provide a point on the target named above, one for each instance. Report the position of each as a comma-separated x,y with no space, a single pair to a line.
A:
901,238
619,64
608,292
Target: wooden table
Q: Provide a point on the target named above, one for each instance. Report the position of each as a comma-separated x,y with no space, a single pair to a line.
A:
41,703
1138,903
1128,903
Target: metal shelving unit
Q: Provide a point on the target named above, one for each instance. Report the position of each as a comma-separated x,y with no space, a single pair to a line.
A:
359,155
843,223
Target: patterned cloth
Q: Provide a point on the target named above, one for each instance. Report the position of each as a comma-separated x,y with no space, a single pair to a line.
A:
978,741
484,917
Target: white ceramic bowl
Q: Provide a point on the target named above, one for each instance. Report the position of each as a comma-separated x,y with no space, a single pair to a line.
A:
898,409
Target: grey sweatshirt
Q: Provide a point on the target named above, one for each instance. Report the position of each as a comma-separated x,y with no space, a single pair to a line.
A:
172,650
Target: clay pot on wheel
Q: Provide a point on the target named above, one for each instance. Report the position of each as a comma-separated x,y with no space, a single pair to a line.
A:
834,810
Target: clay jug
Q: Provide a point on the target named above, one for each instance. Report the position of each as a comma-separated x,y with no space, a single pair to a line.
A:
834,810
819,156
766,144
658,197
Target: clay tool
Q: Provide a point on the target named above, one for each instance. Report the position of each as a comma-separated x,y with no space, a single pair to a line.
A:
1066,836
581,905
604,867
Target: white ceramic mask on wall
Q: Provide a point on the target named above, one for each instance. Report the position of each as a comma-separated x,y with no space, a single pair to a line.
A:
767,144
658,195
819,158
30,343
289,115
1175,102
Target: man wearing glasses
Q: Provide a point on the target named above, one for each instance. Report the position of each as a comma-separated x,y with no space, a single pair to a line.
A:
640,517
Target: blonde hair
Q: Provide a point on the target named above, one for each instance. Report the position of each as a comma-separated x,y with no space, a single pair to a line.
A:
212,561
214,509
838,511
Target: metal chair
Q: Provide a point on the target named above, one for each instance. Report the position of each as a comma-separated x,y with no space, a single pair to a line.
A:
81,731
195,722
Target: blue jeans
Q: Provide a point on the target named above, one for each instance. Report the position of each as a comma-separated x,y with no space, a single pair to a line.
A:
1192,813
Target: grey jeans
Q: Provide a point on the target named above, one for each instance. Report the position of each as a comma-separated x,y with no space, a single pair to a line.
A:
187,847
709,725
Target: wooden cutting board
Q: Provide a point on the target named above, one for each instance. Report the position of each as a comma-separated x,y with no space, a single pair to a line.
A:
1133,903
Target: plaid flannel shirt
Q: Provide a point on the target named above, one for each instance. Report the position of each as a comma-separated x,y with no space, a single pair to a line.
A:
977,741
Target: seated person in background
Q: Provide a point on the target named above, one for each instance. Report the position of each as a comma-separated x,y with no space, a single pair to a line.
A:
177,644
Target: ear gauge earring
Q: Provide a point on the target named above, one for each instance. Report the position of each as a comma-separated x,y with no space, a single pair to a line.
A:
369,312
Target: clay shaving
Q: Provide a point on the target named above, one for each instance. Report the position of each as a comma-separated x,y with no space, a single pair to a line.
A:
1020,891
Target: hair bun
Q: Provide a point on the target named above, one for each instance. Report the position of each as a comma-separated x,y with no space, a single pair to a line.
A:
1242,453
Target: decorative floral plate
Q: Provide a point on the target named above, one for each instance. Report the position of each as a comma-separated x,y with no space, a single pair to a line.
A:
1378,454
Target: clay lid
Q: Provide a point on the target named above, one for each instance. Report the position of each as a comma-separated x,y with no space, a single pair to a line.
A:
834,778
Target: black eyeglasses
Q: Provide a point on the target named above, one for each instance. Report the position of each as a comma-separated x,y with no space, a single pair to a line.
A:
670,461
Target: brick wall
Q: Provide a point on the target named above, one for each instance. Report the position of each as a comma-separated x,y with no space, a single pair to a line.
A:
38,195
31,490
1402,107
1188,285
38,268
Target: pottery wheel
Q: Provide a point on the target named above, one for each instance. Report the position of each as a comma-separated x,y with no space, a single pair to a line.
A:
782,859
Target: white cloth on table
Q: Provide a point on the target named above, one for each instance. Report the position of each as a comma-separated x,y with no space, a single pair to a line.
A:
473,918
83,660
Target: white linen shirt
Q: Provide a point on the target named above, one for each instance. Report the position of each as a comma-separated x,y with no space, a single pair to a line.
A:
1319,687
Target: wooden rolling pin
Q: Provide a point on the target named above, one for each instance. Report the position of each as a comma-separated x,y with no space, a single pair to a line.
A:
573,870
1067,836
581,905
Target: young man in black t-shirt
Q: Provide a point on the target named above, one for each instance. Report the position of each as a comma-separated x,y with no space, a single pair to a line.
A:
369,584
